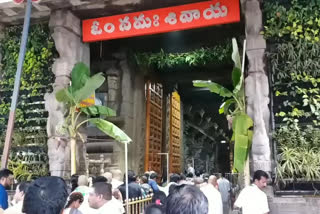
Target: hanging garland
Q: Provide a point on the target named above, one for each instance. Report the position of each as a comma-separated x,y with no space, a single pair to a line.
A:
217,55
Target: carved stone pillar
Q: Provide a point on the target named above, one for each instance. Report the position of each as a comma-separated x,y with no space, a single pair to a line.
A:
257,87
66,30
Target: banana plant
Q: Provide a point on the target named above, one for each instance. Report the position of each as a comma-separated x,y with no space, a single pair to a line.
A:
82,87
234,107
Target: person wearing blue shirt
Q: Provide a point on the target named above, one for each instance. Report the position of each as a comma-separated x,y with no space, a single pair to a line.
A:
6,180
152,182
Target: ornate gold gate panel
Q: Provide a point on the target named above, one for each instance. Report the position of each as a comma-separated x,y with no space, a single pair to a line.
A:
175,133
154,94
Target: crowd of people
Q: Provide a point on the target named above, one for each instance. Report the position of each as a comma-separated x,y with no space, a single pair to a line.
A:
190,194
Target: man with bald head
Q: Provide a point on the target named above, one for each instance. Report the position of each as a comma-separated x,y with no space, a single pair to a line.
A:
213,196
116,178
213,180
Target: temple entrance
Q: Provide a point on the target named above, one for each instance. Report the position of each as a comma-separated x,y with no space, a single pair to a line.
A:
150,86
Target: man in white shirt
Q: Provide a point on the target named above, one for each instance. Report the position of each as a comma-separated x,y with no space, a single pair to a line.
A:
252,199
213,196
18,199
100,198
225,188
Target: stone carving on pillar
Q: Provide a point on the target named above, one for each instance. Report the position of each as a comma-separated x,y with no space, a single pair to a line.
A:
257,88
67,37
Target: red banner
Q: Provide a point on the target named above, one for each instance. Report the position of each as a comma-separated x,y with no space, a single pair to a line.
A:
214,12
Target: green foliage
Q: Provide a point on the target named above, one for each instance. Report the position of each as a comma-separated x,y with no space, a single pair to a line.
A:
296,78
111,130
217,55
298,153
36,79
292,31
21,138
243,139
83,86
23,171
298,20
98,110
234,107
213,87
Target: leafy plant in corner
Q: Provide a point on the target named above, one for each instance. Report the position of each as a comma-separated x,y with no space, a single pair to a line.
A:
83,86
234,107
298,157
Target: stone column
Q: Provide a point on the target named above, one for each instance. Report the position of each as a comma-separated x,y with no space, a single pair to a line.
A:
257,87
66,30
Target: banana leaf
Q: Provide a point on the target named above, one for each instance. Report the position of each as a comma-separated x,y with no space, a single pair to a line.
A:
224,108
79,76
63,95
242,136
213,87
98,110
240,152
237,75
89,87
110,129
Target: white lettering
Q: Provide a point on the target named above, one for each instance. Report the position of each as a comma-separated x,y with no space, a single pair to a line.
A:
171,19
189,15
95,30
156,22
141,22
215,11
125,24
109,28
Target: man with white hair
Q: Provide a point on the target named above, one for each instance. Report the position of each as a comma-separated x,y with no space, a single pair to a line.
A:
213,196
108,176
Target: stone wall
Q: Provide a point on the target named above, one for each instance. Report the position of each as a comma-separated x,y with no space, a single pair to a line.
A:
292,204
126,95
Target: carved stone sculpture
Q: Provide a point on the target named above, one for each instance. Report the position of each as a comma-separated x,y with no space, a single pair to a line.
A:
257,88
66,34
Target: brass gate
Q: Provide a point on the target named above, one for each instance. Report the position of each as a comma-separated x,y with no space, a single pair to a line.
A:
175,133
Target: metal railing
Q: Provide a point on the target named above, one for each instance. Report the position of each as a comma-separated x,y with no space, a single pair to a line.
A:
137,205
